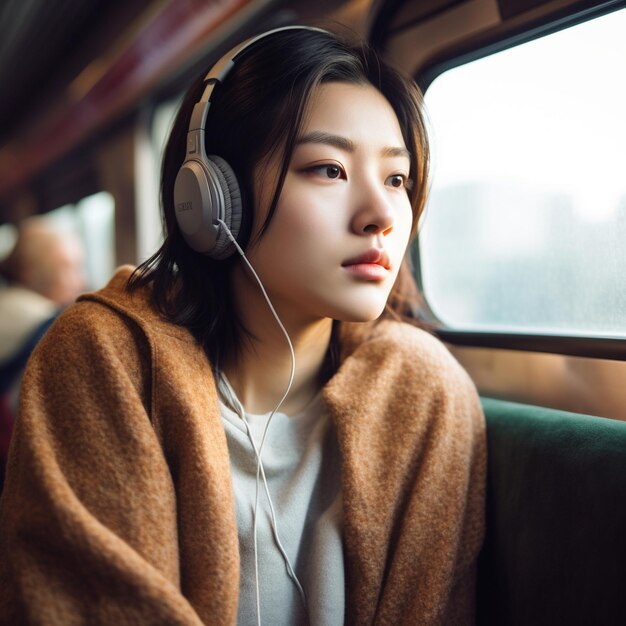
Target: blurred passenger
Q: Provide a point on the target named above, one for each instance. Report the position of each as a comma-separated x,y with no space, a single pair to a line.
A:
42,273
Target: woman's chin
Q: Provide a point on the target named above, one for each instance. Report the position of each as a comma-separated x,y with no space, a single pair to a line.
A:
360,313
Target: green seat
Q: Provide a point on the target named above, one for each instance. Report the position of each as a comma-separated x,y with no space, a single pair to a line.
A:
555,549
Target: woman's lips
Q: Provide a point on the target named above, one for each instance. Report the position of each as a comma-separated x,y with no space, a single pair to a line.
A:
374,264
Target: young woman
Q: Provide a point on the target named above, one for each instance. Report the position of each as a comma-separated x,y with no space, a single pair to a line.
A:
135,494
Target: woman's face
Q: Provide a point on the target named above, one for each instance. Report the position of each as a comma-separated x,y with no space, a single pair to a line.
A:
336,242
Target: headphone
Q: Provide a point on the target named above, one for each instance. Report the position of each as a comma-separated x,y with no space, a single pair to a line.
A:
207,199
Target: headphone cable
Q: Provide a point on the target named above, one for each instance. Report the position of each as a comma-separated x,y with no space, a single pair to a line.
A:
259,469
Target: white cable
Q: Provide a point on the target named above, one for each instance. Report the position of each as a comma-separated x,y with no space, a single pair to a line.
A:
259,469
236,404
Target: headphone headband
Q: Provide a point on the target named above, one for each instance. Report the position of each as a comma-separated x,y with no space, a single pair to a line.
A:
206,193
222,68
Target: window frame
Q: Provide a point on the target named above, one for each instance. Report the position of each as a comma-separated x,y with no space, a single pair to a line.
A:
508,35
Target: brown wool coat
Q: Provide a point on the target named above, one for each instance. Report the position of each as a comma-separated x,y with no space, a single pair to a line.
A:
118,507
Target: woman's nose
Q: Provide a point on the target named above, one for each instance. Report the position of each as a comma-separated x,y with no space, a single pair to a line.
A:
374,214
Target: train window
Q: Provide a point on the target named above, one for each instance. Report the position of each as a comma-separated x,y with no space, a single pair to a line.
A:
8,237
92,218
96,218
526,221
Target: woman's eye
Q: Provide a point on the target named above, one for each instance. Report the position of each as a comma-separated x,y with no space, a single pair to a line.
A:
330,171
397,180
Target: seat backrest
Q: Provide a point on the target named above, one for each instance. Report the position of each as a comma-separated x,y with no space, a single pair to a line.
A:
555,549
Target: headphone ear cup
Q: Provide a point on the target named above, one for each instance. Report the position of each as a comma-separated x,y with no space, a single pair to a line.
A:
225,177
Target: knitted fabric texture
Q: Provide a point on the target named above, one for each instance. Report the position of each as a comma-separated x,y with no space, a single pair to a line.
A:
118,506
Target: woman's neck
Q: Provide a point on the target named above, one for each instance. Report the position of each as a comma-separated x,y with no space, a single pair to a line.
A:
260,372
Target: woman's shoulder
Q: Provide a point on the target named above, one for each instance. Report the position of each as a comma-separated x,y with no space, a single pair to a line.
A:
110,310
411,352
409,376
406,341
134,304
112,320
83,334
405,335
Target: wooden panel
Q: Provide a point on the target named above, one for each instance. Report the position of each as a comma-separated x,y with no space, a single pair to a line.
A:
577,384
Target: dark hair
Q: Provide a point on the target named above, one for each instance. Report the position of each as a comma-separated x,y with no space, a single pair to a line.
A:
258,110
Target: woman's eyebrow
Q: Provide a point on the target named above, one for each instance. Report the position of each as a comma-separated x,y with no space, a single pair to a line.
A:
318,136
396,152
345,144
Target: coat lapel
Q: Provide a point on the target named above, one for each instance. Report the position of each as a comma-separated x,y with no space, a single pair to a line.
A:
356,408
187,410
